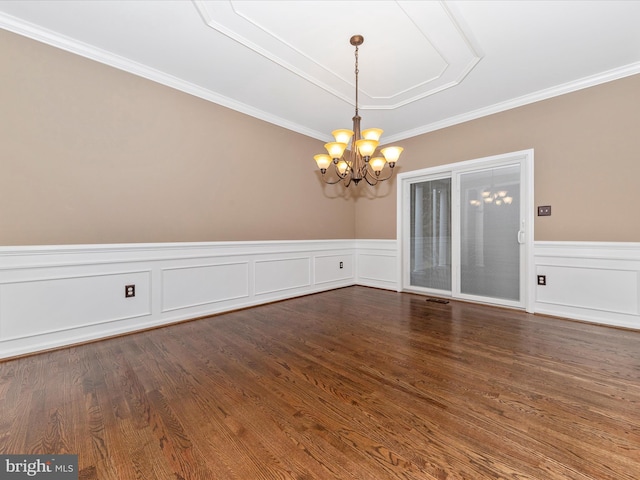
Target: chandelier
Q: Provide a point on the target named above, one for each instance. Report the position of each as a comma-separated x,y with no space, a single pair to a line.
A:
360,160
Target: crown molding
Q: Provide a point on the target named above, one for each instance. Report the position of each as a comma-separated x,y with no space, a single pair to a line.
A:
569,87
57,40
68,44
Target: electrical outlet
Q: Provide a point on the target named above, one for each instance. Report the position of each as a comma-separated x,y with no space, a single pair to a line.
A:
341,265
542,279
129,291
544,211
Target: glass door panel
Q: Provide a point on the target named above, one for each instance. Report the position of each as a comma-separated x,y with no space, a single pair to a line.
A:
490,233
430,234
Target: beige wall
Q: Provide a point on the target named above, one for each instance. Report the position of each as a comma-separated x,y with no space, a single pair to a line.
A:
587,162
91,154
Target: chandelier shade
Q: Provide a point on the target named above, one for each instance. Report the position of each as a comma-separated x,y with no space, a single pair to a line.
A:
372,133
352,152
342,136
323,160
335,149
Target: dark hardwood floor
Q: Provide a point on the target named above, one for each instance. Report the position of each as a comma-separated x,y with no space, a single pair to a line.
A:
355,383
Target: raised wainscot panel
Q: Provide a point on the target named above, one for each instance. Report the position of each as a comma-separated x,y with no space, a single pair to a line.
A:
329,268
185,287
602,289
280,274
377,268
40,306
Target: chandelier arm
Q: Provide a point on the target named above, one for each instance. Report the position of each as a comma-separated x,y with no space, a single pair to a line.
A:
341,177
328,182
374,183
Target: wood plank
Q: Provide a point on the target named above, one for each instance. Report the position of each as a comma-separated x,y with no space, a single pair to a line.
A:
354,383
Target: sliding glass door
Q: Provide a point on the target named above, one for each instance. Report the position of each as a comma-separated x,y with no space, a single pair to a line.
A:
430,225
489,244
464,230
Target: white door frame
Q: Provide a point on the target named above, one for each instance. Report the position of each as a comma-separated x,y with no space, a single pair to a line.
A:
527,199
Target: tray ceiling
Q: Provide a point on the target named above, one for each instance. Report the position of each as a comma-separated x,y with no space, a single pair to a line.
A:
424,64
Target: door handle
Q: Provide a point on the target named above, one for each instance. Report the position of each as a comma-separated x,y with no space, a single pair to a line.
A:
520,237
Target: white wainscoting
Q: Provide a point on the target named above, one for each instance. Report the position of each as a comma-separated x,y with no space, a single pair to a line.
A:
595,282
590,281
55,296
377,264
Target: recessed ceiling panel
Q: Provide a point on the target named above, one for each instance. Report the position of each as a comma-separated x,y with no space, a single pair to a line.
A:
411,49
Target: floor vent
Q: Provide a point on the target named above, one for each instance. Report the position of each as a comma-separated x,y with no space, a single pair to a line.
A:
437,300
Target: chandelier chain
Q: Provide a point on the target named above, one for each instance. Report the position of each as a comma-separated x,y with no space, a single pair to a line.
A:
357,71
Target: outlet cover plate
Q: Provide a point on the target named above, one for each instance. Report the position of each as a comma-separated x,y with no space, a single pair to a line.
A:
544,211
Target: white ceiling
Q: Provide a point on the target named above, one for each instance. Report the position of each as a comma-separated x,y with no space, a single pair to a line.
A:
423,65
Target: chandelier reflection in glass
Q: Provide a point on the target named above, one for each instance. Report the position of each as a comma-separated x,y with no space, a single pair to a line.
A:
359,161
500,197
